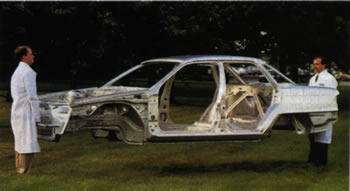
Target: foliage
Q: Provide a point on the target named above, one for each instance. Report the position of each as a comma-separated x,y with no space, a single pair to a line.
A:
84,40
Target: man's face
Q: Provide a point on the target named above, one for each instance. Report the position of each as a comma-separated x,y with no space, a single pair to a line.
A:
29,58
318,66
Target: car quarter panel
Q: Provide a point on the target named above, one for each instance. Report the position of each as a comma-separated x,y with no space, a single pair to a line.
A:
303,99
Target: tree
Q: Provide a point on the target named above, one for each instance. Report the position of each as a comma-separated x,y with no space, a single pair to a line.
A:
77,40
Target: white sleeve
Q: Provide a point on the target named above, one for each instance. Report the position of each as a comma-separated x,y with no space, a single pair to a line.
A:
331,82
30,86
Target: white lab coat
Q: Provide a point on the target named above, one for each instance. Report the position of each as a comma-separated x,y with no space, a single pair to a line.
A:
325,79
25,109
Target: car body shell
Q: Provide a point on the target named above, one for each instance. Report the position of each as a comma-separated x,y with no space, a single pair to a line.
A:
137,115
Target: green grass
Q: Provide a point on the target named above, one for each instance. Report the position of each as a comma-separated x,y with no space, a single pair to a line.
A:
79,162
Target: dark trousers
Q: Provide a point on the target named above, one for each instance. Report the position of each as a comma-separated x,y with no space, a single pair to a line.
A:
318,151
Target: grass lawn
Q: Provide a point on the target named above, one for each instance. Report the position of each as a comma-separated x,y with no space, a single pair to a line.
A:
79,162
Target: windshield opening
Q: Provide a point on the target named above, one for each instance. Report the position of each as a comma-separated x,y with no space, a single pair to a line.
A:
145,76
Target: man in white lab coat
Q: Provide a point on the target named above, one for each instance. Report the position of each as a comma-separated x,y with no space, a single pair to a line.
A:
319,141
24,110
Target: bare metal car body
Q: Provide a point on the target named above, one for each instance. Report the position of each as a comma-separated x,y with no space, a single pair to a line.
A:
239,109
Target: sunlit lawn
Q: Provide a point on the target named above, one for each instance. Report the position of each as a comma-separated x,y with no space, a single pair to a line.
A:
79,162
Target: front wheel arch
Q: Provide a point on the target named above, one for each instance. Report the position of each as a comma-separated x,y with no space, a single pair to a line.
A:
128,123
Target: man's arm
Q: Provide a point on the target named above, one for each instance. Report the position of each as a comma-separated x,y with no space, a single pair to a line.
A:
331,82
30,86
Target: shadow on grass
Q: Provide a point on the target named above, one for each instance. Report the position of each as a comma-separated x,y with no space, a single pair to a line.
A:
139,170
252,166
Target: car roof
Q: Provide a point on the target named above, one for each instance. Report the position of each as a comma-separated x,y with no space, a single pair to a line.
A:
198,58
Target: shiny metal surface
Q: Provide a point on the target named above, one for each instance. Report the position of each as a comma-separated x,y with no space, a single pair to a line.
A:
137,115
